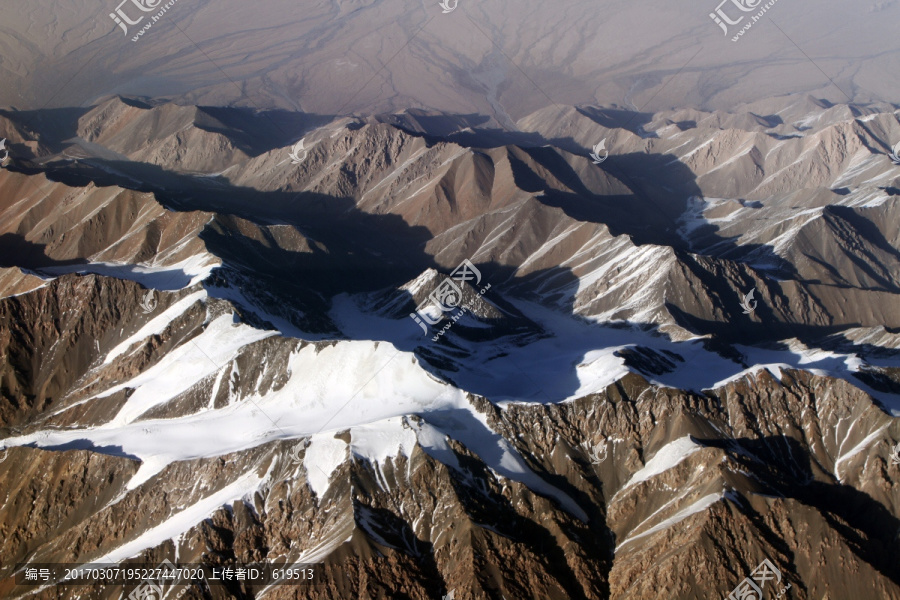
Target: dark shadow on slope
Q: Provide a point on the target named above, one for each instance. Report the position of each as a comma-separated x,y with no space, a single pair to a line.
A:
739,328
769,328
492,510
384,527
618,118
431,124
53,124
767,121
886,381
873,235
659,186
364,252
654,212
253,131
351,251
643,215
259,131
16,251
357,252
111,450
497,138
782,462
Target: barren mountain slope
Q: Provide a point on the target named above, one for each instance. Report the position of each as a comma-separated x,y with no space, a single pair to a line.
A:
209,357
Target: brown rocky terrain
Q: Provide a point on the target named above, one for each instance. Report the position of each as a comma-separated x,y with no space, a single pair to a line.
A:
207,356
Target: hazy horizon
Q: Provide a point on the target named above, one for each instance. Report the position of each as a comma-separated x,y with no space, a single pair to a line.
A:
501,58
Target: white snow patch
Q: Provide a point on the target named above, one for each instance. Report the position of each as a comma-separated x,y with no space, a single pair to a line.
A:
334,388
844,456
148,469
324,455
383,440
692,152
171,277
186,519
666,458
698,506
156,325
798,356
184,367
512,466
434,442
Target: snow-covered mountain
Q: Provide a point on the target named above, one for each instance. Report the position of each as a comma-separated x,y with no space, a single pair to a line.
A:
208,353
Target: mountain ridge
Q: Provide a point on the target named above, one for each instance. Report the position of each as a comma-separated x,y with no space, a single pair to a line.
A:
616,418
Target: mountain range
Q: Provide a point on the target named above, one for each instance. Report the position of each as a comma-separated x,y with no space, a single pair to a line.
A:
220,343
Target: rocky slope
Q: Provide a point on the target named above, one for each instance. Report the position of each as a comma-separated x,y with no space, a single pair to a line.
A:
207,355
